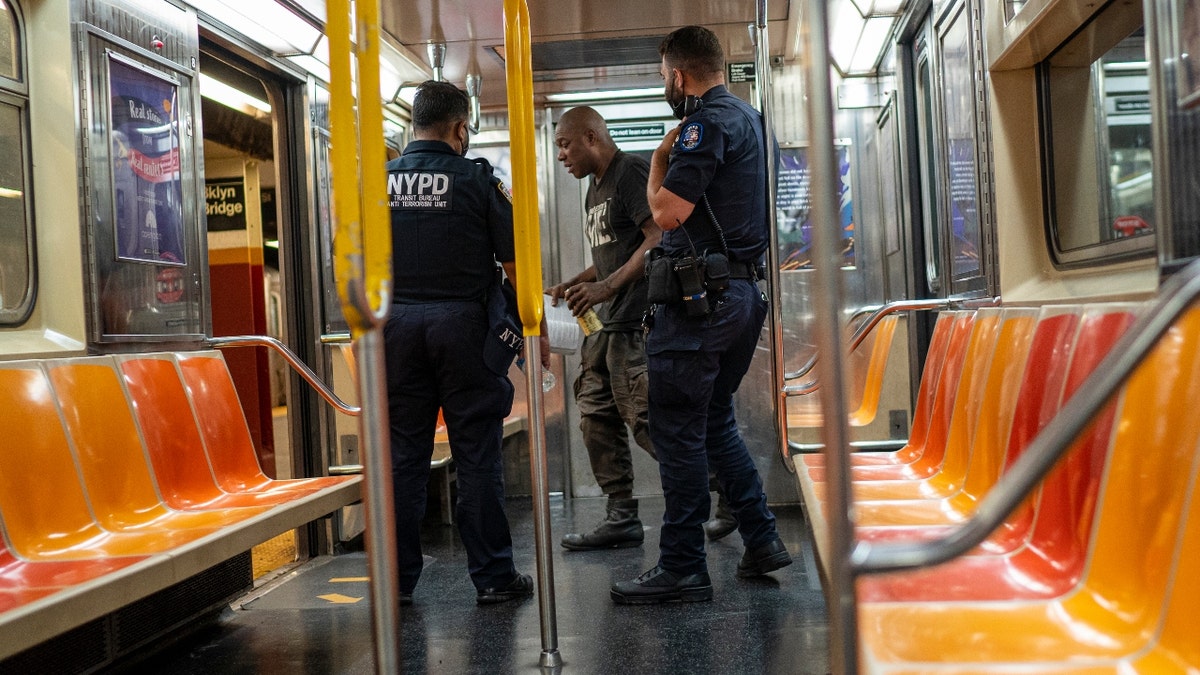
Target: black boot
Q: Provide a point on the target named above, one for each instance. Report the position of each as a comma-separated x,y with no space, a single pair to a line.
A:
722,522
620,529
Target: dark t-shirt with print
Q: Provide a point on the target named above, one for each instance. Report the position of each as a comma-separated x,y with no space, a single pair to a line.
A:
616,209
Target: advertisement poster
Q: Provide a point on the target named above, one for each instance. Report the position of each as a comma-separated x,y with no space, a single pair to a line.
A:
964,209
147,190
792,203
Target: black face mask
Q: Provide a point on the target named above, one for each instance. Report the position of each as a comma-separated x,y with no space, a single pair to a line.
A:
466,143
686,106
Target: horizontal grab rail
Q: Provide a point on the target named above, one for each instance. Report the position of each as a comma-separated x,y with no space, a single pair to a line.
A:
293,361
1048,446
336,338
868,325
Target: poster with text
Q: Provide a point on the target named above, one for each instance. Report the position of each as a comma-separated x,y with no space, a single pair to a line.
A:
147,189
793,214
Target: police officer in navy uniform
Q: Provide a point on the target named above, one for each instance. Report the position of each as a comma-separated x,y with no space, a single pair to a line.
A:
713,161
451,224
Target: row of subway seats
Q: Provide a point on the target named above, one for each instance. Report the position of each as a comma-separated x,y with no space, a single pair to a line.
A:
1099,570
125,476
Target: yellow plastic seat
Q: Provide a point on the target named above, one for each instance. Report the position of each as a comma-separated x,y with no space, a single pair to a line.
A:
946,326
866,382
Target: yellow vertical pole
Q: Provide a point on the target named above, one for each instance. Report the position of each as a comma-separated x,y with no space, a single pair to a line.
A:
364,285
519,76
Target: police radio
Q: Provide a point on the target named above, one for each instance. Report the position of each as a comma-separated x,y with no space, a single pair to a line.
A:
687,107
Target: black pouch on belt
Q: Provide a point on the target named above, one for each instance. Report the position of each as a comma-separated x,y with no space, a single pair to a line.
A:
662,286
716,272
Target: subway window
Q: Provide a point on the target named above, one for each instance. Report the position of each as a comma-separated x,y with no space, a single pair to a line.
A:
1097,137
17,276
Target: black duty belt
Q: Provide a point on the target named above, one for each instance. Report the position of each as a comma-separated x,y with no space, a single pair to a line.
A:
740,270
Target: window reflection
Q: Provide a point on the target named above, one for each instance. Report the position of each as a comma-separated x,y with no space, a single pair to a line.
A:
958,75
16,240
9,65
1100,182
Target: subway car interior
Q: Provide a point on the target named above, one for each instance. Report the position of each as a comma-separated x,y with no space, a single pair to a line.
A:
969,404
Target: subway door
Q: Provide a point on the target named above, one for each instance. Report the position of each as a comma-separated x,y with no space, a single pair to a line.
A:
240,182
923,271
952,170
950,177
896,257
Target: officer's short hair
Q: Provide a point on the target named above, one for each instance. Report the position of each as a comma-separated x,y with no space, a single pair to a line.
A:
695,50
437,105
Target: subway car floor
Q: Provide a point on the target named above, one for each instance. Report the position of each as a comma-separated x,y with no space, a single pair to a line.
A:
317,617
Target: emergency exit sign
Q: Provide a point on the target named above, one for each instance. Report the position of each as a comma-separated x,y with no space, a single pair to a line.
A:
741,72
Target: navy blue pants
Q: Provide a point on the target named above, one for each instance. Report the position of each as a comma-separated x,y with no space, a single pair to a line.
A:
435,359
695,365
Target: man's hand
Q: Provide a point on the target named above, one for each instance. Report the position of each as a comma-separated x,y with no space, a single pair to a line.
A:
584,296
556,292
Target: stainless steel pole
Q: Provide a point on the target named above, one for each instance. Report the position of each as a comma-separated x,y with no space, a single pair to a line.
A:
541,505
762,71
824,175
378,503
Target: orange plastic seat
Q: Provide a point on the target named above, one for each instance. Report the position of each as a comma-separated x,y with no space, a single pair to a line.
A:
112,460
867,367
173,441
1037,402
935,359
970,347
19,576
1116,609
1049,561
227,440
47,515
975,440
923,452
12,599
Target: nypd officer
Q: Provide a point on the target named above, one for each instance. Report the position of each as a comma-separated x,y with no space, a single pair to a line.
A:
707,191
451,223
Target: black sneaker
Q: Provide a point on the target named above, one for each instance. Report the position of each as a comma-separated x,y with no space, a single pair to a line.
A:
659,585
520,587
405,599
766,558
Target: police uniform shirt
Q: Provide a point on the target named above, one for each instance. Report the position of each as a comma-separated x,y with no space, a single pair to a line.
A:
616,208
719,152
451,220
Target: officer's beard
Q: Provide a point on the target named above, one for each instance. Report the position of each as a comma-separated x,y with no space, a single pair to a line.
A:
675,99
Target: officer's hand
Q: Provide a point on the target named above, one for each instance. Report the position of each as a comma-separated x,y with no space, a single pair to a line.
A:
555,292
582,297
668,141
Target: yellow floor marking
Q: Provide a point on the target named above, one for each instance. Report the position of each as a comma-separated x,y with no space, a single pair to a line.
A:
339,599
343,580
